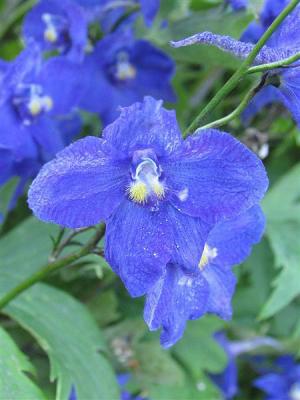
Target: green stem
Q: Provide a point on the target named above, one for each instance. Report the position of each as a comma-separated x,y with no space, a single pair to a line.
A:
52,267
242,70
278,64
18,13
238,111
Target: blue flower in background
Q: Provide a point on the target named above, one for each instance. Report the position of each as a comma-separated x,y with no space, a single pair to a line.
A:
238,4
183,293
30,99
271,9
282,382
122,70
148,185
284,43
58,25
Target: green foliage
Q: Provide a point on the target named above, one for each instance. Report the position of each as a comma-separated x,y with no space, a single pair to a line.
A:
282,208
14,383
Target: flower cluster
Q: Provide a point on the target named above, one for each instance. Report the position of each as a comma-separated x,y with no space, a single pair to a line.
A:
62,71
179,213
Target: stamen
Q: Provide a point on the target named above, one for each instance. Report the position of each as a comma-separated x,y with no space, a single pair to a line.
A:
35,106
208,255
50,34
138,192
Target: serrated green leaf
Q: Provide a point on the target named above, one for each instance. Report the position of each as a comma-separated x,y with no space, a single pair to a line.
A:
14,383
66,331
282,208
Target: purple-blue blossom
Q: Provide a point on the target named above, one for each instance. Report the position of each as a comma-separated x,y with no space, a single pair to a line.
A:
184,293
30,101
122,70
149,184
282,381
284,43
59,25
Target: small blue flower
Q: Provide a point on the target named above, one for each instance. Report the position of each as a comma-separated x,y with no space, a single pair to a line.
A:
284,43
122,70
282,382
148,185
32,94
183,293
238,4
58,25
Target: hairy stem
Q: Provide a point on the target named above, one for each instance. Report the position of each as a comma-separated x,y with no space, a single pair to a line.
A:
242,70
238,111
52,267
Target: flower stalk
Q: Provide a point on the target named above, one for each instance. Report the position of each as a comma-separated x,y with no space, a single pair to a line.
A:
48,269
241,71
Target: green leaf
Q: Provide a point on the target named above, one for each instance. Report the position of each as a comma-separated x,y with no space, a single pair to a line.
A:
282,209
66,331
14,383
198,350
6,193
63,327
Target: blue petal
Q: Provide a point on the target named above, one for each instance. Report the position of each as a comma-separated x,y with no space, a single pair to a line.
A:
81,187
138,245
234,238
273,384
46,134
70,127
221,282
60,79
176,297
290,92
219,177
227,381
144,125
237,48
238,4
190,234
149,10
253,32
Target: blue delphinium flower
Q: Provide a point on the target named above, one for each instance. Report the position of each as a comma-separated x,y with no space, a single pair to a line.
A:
284,43
183,293
32,94
271,9
282,382
148,184
238,4
58,25
121,70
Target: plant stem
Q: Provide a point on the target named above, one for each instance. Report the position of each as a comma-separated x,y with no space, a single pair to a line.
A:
242,70
278,64
52,267
18,13
237,112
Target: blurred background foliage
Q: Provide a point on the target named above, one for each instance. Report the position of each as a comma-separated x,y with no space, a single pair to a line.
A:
81,326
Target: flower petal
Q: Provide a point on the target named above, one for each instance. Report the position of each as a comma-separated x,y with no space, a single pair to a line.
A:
234,238
138,245
221,282
176,297
81,187
214,176
143,125
190,235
